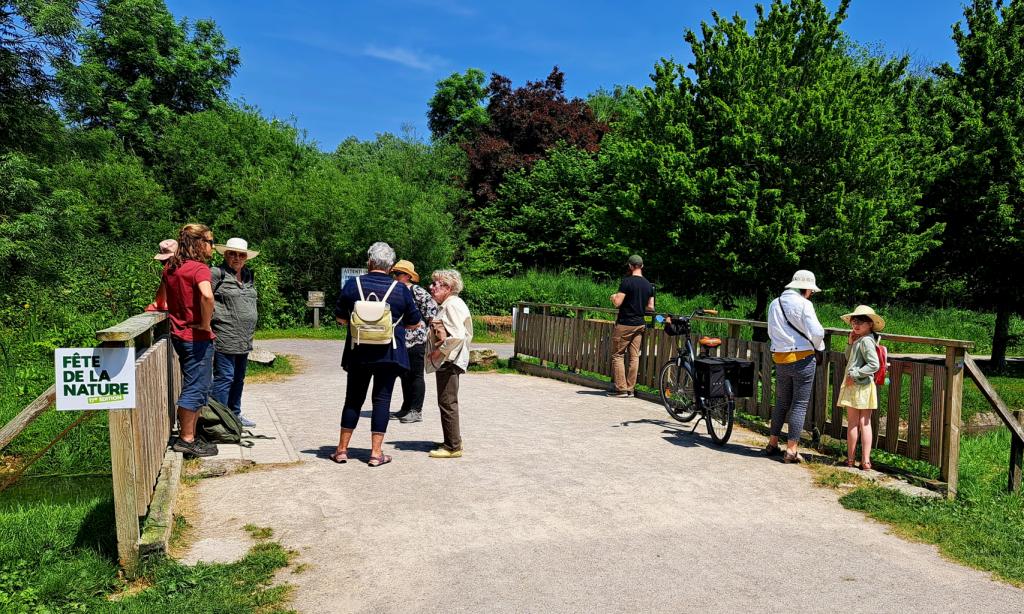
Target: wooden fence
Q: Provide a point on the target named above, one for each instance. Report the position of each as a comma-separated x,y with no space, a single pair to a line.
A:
139,436
919,410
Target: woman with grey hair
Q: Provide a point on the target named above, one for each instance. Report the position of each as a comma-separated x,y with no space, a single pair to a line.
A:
451,332
379,360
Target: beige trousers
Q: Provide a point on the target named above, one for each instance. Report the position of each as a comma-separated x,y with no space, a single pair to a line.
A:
626,339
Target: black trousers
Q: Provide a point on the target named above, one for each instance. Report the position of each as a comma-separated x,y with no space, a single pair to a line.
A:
413,386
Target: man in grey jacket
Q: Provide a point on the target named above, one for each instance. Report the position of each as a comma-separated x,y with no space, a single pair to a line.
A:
795,335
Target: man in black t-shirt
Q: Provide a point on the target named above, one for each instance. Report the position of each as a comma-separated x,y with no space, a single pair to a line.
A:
634,298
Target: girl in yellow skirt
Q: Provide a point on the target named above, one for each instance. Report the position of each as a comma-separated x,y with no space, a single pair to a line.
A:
858,393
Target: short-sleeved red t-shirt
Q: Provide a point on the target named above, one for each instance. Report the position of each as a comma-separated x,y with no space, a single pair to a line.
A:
183,299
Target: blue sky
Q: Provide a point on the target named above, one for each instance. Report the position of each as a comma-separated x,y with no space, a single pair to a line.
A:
342,68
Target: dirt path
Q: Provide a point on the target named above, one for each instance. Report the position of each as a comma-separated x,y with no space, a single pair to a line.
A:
566,500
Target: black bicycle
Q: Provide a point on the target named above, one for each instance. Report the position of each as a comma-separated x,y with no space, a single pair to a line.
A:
692,384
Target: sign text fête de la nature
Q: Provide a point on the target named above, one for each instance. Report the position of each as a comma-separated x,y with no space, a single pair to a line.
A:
95,378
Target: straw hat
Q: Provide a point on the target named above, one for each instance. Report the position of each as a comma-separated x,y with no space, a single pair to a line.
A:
167,249
803,280
235,244
877,323
404,266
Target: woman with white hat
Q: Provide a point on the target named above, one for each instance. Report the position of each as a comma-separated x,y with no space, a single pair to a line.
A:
234,322
858,394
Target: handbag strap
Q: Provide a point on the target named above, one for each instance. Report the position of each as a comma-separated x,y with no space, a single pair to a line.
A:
785,317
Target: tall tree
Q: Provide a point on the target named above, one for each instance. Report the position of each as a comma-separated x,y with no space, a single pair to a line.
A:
524,124
139,69
984,238
33,36
784,153
456,110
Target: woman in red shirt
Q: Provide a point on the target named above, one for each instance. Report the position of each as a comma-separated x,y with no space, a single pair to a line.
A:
186,292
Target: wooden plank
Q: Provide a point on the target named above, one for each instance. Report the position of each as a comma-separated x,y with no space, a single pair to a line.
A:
27,416
914,410
132,327
123,473
936,422
953,396
766,381
1013,484
892,411
838,362
990,394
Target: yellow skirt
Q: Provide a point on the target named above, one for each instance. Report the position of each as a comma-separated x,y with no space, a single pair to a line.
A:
858,396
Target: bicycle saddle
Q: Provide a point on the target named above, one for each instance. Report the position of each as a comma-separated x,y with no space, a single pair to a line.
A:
711,342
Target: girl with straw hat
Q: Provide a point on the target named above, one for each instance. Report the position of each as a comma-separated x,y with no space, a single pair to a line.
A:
858,393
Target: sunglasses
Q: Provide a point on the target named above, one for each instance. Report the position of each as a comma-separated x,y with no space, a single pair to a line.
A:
209,241
235,255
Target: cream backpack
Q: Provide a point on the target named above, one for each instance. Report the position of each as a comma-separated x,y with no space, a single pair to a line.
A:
370,322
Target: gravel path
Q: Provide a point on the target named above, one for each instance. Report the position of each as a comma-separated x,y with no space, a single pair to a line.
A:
566,500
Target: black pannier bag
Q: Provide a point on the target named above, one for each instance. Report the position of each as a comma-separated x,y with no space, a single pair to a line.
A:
710,374
676,328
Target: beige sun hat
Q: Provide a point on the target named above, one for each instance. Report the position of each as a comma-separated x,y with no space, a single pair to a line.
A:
167,249
235,244
877,322
803,280
404,266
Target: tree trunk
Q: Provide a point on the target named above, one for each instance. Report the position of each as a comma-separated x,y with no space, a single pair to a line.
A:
1001,337
759,313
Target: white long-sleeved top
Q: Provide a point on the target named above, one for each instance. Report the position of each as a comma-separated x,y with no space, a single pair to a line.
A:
458,323
800,313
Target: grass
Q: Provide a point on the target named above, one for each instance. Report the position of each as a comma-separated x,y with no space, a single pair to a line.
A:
983,527
283,367
58,554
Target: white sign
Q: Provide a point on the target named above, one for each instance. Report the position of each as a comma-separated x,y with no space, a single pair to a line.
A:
347,273
95,378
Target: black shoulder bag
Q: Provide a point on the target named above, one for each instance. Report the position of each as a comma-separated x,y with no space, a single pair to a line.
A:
819,357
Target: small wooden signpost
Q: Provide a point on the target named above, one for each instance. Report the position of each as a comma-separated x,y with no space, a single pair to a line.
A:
315,299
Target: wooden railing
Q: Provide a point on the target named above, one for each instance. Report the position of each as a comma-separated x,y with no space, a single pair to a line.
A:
919,410
139,436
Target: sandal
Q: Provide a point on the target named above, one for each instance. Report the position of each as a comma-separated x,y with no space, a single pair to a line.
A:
377,461
865,466
850,463
339,457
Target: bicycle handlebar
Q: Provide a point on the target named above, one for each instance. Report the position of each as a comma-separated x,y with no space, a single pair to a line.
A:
696,312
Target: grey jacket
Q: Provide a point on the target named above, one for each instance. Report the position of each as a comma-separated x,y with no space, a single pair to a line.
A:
862,360
234,310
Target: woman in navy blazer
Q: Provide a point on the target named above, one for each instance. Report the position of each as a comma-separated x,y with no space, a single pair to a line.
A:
380,363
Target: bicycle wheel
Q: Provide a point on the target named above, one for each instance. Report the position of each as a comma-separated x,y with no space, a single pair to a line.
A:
675,385
719,415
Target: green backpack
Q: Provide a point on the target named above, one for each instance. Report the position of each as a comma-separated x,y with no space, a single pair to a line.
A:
218,424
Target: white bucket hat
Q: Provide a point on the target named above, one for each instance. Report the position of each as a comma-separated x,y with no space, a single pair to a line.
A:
235,244
803,280
877,322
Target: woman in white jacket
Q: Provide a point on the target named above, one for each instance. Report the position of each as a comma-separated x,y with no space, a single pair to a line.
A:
451,332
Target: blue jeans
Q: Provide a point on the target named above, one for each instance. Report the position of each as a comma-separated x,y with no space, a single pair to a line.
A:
228,379
794,383
196,360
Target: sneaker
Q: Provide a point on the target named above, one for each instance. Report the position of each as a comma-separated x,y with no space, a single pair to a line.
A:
615,394
413,416
246,422
398,415
444,452
770,450
792,458
196,447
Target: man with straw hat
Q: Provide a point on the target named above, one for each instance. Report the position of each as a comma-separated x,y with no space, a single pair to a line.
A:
795,335
413,386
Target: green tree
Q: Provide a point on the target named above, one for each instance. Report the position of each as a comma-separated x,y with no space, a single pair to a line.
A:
140,69
33,36
784,152
984,211
457,108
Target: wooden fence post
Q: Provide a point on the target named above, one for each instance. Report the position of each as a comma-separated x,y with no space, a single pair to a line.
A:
1016,457
123,469
951,418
